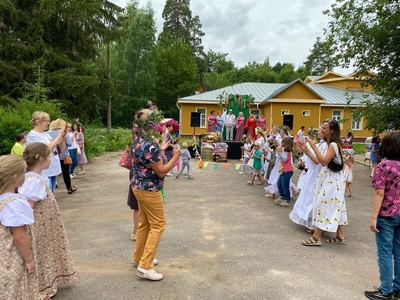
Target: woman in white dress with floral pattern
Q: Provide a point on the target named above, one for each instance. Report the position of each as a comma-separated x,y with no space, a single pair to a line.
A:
329,207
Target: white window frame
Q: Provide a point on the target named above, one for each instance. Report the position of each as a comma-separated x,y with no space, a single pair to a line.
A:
338,117
255,112
285,112
305,113
203,122
353,123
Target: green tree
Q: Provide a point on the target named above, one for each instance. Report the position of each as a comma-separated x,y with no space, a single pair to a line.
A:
64,34
322,57
218,62
134,66
176,75
367,37
180,24
177,16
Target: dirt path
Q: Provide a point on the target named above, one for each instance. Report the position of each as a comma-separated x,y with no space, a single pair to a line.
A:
223,240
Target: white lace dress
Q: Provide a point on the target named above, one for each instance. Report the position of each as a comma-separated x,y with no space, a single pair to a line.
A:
329,206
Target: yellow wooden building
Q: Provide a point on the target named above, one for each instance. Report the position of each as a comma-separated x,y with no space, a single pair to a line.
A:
301,103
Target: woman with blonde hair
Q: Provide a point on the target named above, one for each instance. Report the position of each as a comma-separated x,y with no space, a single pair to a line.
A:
40,121
57,126
150,167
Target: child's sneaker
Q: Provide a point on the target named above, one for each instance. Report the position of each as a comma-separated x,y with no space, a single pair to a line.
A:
250,182
190,178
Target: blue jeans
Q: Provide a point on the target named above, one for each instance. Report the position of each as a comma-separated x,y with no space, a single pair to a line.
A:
74,157
388,251
283,185
52,181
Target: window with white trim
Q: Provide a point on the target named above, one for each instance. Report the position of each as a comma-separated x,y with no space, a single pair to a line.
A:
305,113
285,112
202,112
337,115
255,112
355,125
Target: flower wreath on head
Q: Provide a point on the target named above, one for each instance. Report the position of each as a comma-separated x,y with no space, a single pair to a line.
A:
312,132
80,125
148,125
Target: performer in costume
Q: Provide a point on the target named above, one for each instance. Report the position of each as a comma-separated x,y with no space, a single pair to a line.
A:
262,122
240,127
212,122
251,125
230,121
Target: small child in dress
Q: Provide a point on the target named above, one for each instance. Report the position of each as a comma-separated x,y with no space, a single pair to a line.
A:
348,173
246,155
257,165
385,218
53,257
185,155
178,163
18,276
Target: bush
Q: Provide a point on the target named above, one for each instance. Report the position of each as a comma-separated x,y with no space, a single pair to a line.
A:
14,119
98,141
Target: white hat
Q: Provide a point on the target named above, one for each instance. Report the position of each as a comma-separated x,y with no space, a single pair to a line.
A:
231,109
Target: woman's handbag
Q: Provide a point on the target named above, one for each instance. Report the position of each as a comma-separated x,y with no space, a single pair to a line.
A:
334,165
78,150
126,160
67,160
280,170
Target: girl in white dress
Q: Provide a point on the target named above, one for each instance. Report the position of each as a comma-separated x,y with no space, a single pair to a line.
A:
18,274
302,210
348,173
53,256
329,207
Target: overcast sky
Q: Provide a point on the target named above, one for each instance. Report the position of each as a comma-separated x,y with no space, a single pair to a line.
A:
283,30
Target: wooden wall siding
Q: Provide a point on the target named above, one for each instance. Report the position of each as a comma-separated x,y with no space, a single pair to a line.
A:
297,92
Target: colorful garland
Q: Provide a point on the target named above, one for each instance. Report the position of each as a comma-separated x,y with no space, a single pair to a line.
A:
239,101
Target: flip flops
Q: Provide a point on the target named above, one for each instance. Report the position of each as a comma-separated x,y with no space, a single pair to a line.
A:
72,189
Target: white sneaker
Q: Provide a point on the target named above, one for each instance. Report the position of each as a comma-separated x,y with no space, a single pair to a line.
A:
241,173
169,174
150,274
136,264
71,176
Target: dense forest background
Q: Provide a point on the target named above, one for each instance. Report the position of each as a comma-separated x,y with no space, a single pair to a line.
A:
100,63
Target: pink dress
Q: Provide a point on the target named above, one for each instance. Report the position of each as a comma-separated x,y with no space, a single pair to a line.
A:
80,140
239,128
251,128
212,123
262,123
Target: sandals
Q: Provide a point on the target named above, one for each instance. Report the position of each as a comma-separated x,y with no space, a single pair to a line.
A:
269,195
285,204
72,189
336,240
250,182
312,241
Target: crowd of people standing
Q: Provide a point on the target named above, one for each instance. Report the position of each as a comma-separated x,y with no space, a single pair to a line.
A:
34,248
230,123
